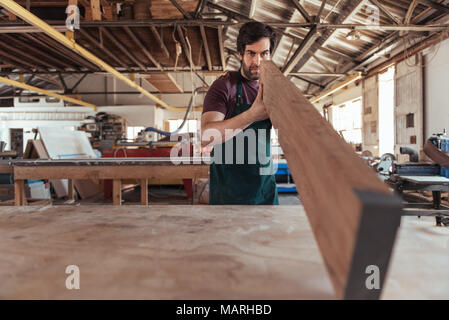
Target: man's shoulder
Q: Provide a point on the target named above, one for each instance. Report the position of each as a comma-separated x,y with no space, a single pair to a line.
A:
226,80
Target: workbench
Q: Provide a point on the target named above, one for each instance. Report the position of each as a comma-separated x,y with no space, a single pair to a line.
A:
195,252
436,184
100,169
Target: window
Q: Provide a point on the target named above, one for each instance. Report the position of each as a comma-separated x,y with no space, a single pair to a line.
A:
189,126
347,120
131,132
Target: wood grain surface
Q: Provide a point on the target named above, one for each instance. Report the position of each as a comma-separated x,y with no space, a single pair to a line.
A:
352,213
194,252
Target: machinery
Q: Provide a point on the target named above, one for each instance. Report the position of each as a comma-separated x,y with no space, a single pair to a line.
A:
417,176
105,130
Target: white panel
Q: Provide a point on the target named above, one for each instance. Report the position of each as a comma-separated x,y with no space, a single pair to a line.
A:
409,101
370,130
436,88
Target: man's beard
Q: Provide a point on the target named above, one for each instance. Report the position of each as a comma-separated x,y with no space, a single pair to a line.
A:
247,72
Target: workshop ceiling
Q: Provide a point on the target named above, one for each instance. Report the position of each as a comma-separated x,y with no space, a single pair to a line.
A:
142,36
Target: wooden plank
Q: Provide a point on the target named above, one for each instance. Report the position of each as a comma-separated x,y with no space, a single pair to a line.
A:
112,172
11,153
167,252
6,168
117,192
35,149
144,192
353,214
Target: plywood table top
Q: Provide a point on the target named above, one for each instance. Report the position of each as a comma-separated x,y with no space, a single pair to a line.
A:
194,252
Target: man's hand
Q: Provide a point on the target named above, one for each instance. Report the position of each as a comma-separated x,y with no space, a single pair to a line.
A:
258,112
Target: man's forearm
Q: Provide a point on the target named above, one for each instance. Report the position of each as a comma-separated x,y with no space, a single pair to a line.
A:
217,132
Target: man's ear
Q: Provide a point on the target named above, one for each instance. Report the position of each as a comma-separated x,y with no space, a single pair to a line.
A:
240,56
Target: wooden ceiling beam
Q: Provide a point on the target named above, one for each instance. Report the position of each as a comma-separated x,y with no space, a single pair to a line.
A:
320,11
122,48
385,11
350,11
21,61
143,48
67,52
206,48
14,64
25,51
408,15
301,10
321,62
103,49
56,53
160,41
221,46
435,5
199,8
301,50
181,9
252,9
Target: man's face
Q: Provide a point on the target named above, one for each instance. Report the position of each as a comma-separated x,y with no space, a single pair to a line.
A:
254,54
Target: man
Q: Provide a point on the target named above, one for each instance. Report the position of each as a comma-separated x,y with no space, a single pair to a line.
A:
233,111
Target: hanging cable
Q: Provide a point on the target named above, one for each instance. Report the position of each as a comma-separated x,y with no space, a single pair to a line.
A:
189,108
192,98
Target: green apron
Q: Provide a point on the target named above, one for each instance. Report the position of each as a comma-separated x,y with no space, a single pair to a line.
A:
250,181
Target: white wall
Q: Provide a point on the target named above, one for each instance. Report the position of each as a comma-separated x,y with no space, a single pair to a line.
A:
33,117
351,92
436,89
135,116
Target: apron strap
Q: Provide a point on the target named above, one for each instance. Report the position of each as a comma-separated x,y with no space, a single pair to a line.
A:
239,101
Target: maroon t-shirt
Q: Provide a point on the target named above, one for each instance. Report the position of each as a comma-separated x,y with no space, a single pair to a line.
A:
222,93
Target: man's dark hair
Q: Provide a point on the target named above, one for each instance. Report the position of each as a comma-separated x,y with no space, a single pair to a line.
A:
252,32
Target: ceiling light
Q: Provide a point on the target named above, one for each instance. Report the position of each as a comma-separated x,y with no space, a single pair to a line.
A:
353,35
